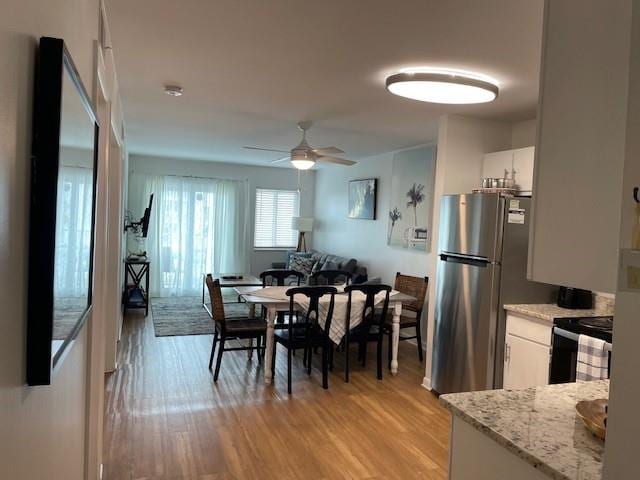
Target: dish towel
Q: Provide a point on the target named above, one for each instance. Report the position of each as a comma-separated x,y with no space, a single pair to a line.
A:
593,359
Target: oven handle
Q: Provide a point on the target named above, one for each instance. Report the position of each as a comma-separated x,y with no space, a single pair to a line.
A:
574,336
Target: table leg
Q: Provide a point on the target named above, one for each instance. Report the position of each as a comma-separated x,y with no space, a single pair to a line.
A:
268,367
395,337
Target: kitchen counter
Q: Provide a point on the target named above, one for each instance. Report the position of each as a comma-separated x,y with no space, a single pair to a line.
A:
550,311
539,425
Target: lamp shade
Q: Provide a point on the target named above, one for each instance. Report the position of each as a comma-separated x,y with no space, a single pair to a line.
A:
302,224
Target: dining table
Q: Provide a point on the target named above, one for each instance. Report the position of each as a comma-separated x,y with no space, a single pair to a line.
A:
275,300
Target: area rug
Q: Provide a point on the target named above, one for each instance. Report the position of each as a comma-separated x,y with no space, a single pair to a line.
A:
185,316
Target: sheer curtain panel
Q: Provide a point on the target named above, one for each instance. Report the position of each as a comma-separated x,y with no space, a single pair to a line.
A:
197,226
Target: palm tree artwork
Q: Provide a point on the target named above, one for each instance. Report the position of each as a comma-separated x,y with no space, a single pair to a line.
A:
415,196
394,216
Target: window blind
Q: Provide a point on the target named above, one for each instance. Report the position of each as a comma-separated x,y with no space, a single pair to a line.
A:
274,212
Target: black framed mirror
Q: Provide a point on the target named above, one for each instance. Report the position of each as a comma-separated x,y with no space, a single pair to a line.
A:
63,192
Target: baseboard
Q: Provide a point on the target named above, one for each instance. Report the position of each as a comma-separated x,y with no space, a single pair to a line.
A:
426,383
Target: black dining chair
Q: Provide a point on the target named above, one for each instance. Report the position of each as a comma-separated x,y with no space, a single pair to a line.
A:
310,333
330,277
236,328
281,277
371,326
277,277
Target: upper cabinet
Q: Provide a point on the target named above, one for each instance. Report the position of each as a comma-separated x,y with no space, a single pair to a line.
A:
580,146
516,164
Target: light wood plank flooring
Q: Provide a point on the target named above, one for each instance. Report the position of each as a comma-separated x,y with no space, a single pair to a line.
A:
166,419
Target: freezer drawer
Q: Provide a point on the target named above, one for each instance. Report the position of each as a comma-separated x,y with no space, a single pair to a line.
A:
472,225
465,325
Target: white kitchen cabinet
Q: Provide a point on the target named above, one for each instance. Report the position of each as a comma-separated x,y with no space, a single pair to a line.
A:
516,164
523,162
527,352
582,113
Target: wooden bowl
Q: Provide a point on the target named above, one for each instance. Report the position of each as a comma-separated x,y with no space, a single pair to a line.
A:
593,414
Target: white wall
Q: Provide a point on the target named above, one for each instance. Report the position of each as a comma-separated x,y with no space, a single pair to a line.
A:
523,134
258,177
364,240
42,429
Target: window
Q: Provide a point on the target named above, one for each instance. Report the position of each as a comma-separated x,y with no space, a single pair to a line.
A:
274,211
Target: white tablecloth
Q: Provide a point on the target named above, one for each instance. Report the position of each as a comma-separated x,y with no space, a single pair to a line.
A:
339,319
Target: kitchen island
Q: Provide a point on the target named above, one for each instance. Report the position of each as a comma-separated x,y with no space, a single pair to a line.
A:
532,433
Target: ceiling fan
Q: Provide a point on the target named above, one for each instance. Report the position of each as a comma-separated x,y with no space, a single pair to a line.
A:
304,157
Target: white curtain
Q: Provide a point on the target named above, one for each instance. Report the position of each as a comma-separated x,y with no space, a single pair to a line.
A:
197,226
73,232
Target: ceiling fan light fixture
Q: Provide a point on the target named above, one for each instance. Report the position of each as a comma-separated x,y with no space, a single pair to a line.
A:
441,86
302,159
303,164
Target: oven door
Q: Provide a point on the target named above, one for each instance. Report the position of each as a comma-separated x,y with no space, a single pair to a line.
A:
564,356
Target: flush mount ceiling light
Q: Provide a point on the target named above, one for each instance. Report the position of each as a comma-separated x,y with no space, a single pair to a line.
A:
173,90
442,86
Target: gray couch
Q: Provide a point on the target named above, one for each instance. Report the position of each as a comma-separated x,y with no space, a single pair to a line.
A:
335,262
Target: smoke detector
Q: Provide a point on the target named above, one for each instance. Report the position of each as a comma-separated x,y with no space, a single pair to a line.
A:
173,90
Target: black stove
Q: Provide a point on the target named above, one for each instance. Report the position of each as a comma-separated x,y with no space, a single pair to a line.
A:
564,353
598,327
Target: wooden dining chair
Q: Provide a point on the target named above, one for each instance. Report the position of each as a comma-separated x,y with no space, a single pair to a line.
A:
371,326
411,312
330,277
308,334
236,328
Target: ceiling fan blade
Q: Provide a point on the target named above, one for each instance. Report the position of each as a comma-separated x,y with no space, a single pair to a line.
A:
328,150
266,149
283,159
339,161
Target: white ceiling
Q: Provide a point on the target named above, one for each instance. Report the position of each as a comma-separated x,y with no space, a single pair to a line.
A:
251,69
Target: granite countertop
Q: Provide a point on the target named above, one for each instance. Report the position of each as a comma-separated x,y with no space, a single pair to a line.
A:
539,425
549,311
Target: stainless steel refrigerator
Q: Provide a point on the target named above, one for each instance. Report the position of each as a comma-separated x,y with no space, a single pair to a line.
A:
482,265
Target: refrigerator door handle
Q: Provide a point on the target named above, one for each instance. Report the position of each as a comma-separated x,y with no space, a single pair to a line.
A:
482,262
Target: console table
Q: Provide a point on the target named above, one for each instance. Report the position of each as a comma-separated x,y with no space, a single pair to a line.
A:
135,295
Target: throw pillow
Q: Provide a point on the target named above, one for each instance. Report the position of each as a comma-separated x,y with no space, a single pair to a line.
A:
302,264
294,253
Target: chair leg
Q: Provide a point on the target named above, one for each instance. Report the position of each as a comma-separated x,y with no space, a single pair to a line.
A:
364,352
258,349
289,352
390,349
309,360
213,348
251,349
219,360
419,340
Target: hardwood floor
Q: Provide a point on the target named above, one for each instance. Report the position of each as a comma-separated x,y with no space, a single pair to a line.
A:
166,419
